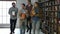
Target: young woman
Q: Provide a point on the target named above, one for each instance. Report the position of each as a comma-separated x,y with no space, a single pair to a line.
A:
35,14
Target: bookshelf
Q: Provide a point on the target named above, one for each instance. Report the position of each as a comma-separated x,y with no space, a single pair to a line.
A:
51,9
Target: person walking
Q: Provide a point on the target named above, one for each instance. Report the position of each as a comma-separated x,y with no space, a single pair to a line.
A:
13,17
29,8
22,16
35,15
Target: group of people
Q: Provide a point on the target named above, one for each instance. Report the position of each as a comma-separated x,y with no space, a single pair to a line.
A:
29,15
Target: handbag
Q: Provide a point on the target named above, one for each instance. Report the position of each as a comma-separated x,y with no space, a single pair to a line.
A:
23,16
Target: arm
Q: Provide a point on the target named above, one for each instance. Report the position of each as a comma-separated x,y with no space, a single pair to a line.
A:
19,13
9,12
32,12
19,16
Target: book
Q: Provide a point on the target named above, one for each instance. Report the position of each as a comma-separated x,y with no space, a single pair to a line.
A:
49,8
58,1
46,9
53,8
42,0
56,8
55,14
50,3
47,4
59,7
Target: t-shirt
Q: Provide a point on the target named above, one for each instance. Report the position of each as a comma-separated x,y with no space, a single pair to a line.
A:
13,12
36,18
29,8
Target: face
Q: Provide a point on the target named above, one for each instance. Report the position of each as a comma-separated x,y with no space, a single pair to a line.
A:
23,6
35,5
13,5
28,2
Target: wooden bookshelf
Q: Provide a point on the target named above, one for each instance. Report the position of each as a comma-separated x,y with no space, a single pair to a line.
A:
51,10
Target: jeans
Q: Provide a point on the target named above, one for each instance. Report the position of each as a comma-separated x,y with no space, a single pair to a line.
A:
22,30
12,24
35,26
22,27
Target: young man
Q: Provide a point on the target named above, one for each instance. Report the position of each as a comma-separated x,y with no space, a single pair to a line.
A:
13,17
29,8
22,15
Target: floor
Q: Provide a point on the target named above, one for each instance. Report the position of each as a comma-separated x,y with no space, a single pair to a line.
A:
7,31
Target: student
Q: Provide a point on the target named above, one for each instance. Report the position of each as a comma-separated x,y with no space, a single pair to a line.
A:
22,14
35,14
29,8
13,17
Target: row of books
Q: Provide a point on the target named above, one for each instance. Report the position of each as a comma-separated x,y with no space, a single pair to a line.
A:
43,0
50,3
52,8
49,15
56,1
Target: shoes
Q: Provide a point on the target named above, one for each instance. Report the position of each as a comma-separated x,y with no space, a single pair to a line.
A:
27,31
12,32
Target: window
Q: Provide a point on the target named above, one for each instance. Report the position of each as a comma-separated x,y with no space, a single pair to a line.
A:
4,8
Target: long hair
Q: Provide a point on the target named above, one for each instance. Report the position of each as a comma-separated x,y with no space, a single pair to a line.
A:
37,4
40,10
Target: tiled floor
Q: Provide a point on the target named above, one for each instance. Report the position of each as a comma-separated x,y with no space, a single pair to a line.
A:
7,31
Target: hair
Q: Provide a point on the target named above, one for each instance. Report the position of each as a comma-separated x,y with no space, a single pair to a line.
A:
23,4
37,3
29,0
13,3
